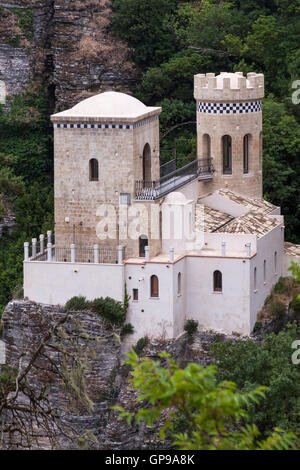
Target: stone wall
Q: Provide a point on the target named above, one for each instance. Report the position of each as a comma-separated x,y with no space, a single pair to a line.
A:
69,45
25,323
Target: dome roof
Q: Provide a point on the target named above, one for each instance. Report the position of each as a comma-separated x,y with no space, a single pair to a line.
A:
233,79
175,198
108,104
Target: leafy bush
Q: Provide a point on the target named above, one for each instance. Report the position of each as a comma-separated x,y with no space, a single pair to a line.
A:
77,303
141,344
295,303
111,310
277,309
191,327
268,363
257,327
127,329
215,411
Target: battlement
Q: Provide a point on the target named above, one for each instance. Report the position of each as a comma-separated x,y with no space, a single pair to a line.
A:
229,87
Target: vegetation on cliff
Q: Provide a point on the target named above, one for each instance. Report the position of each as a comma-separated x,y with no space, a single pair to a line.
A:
173,40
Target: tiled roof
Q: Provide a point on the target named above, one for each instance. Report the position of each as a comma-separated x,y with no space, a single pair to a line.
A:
258,204
291,249
213,219
252,222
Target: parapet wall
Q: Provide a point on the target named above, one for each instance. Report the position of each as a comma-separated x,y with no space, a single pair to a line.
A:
229,87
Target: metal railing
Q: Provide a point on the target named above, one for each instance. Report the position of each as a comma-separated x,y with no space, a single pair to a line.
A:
149,190
103,255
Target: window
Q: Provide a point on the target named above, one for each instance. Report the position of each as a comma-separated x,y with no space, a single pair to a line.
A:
217,281
260,149
275,262
125,198
179,284
255,279
246,154
94,170
206,146
143,242
227,158
154,286
147,163
265,271
135,294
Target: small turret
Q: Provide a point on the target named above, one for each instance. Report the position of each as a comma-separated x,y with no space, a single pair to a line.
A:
229,86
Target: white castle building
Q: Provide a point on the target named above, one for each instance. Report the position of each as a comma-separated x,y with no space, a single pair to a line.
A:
189,242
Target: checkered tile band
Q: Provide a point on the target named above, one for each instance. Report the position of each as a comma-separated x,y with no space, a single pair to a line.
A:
229,108
106,126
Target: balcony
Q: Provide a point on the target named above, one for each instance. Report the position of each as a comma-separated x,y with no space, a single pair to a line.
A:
201,169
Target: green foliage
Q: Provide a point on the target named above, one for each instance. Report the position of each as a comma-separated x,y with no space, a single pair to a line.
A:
141,344
277,309
77,303
295,303
111,310
25,19
144,25
191,327
127,329
269,363
257,327
214,412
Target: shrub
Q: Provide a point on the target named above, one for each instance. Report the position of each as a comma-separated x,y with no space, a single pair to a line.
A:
277,309
295,303
257,327
77,303
141,344
111,310
284,285
127,329
191,327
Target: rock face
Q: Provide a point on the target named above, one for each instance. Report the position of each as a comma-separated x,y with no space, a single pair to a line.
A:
65,42
25,324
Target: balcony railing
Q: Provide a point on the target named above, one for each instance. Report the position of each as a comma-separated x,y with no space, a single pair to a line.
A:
150,190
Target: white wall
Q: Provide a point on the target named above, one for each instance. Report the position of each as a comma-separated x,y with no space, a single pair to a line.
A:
55,283
156,319
266,248
228,311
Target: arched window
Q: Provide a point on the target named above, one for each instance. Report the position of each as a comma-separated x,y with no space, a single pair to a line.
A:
147,163
217,281
275,262
179,284
227,154
255,279
265,271
94,170
246,153
143,242
206,146
260,149
154,286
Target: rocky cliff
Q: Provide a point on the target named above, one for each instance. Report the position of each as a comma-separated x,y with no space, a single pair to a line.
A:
66,44
25,324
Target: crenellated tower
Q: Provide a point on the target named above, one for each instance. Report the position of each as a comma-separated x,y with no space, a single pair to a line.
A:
229,129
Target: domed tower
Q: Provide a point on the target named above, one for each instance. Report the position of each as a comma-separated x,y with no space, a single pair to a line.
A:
101,147
229,129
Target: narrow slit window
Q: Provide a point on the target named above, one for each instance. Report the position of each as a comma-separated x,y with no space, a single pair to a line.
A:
246,154
217,281
135,294
154,286
94,170
179,284
227,154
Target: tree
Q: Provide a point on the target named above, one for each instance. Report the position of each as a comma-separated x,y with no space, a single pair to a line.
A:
268,363
29,417
144,26
213,412
11,186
